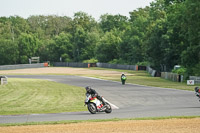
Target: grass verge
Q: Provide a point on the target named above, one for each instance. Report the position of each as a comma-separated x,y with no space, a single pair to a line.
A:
96,120
28,96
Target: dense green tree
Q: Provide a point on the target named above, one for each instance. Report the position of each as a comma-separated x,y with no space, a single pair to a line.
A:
155,40
37,25
83,20
28,45
79,43
83,40
174,36
132,49
157,44
191,55
168,2
91,41
60,47
110,22
8,52
108,48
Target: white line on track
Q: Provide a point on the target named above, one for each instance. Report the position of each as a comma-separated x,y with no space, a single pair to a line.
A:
112,105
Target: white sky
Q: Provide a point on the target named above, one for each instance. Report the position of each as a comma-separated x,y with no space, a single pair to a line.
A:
94,8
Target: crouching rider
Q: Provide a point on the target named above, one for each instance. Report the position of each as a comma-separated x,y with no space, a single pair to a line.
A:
93,93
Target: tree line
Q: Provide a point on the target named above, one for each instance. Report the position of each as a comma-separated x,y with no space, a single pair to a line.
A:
161,35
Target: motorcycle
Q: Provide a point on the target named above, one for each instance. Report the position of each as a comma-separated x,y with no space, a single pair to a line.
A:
94,105
123,79
197,92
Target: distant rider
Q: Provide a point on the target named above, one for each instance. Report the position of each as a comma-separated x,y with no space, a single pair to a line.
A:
123,78
91,91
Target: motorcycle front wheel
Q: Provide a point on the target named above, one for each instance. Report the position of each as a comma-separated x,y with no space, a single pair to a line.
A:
108,108
92,108
123,82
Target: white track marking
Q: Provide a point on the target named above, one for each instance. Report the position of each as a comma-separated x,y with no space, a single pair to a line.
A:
112,105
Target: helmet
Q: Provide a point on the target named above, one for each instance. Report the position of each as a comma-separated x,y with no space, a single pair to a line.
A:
88,88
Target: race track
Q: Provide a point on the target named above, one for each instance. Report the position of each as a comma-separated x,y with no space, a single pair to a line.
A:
133,101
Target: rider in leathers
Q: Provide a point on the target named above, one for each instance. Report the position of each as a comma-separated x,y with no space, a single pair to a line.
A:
91,91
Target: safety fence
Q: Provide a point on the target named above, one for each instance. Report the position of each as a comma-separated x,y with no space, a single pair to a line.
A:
151,71
107,65
172,76
116,66
70,64
22,66
196,79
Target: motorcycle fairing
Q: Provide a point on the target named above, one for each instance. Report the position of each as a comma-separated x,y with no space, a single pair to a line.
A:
97,102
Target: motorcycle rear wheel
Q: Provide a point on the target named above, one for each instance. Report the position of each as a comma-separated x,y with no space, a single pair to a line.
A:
92,108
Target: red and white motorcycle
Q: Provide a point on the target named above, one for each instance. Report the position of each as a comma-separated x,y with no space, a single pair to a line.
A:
94,105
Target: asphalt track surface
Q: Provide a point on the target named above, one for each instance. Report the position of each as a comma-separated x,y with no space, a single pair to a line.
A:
132,101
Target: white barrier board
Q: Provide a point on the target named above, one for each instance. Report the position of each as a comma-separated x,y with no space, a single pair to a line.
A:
190,82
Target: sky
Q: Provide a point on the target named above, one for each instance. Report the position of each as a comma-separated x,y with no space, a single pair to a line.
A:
94,8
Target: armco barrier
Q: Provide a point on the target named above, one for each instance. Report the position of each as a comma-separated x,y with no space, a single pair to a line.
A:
116,66
151,71
70,64
171,76
196,79
144,68
21,66
103,65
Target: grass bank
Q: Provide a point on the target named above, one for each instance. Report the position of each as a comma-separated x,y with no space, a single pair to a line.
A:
29,96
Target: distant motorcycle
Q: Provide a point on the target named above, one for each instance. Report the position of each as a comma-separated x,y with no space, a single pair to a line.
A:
94,105
197,92
123,79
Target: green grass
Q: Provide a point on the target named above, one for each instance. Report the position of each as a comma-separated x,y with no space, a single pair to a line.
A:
28,96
